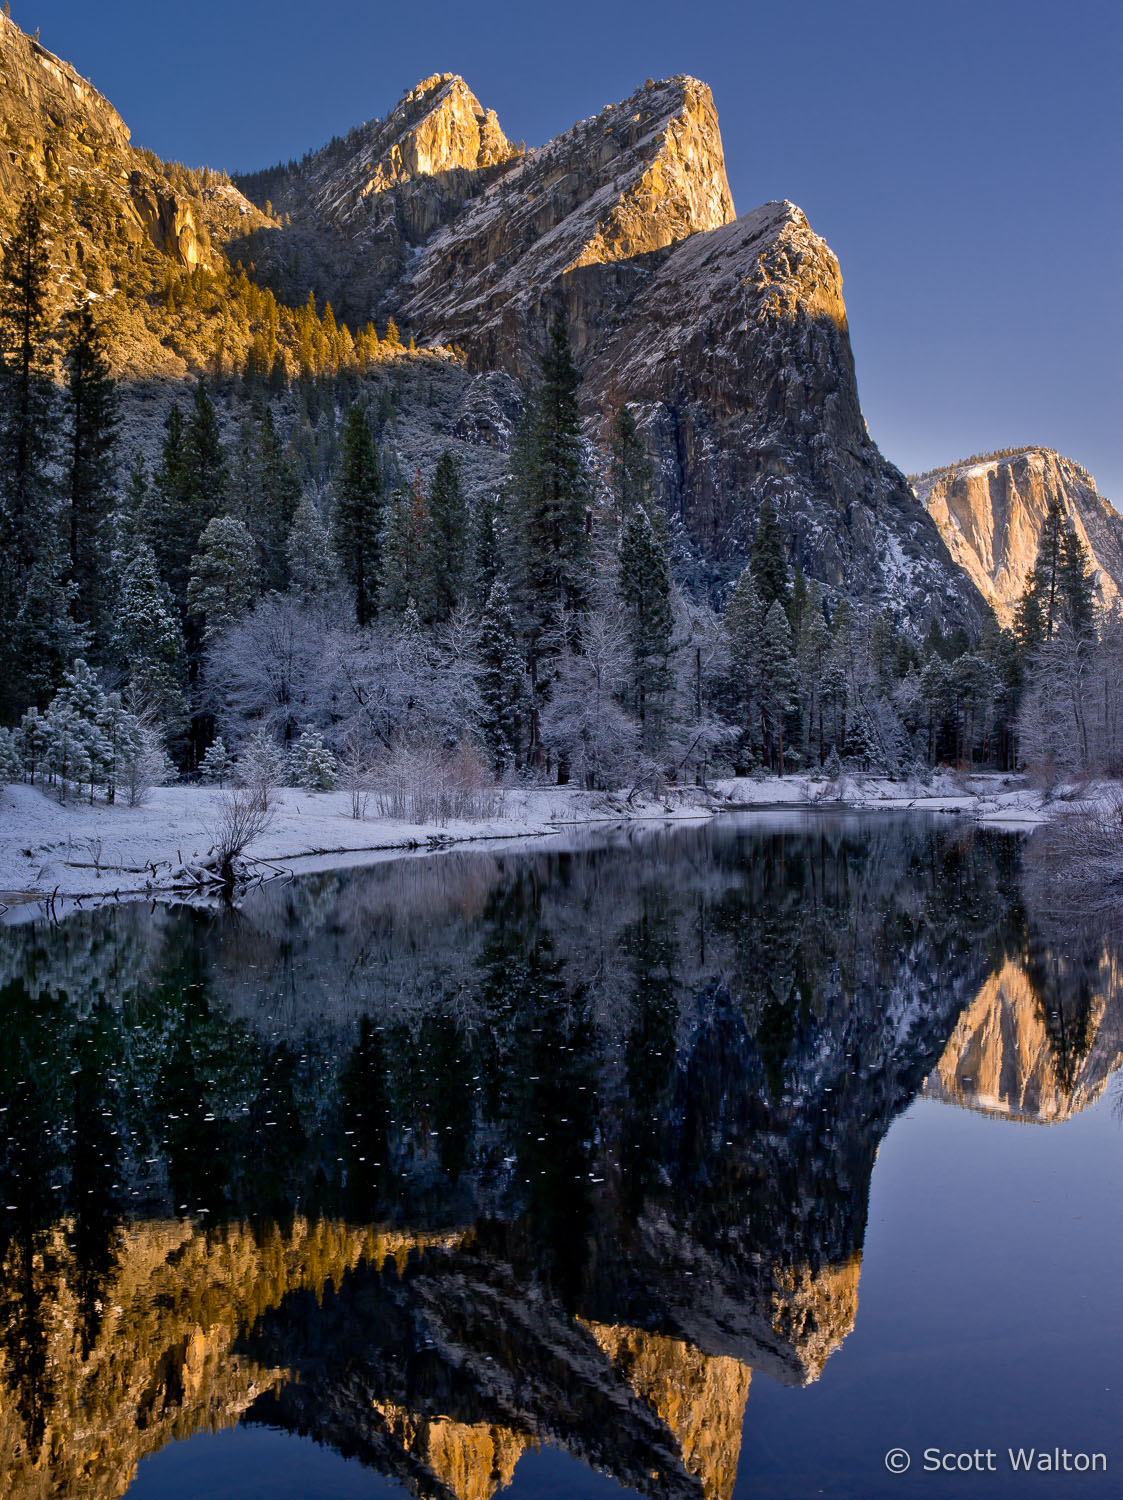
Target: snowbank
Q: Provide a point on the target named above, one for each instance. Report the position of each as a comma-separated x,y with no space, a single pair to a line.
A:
105,852
83,850
997,800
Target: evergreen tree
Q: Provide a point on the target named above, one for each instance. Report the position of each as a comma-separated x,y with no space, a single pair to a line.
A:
742,624
1040,604
812,648
313,567
487,550
548,503
631,467
778,680
148,641
124,742
224,576
358,512
37,636
500,678
265,492
406,581
191,486
769,561
217,764
311,764
447,538
92,409
645,587
1077,591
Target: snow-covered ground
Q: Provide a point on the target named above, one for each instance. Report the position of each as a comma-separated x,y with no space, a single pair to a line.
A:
98,851
1006,801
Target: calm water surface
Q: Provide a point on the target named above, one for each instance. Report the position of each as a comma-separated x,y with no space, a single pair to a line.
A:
710,1162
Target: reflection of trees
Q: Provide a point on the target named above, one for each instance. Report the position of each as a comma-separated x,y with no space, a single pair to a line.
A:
655,1086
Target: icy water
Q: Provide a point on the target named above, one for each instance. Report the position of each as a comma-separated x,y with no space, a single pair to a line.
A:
705,1162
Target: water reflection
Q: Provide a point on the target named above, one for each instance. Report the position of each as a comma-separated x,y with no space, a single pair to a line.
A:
451,1158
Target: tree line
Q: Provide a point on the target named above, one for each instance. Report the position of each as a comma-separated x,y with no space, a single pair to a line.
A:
294,587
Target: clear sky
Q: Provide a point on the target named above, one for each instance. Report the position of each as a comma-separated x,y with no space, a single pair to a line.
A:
962,159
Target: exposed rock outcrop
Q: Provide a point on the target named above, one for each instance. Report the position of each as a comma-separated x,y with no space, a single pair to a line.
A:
728,336
990,514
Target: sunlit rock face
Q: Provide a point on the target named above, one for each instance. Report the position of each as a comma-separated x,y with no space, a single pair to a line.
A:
65,138
1004,1058
422,152
991,513
728,336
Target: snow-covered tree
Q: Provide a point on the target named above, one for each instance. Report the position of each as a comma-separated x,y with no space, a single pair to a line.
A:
778,678
125,743
311,764
593,738
217,764
501,678
224,576
147,638
275,669
261,765
313,566
11,762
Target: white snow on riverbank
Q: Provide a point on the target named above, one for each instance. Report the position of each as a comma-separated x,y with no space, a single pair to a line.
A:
84,850
98,851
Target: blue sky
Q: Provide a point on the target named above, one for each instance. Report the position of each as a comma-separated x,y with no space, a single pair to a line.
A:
961,159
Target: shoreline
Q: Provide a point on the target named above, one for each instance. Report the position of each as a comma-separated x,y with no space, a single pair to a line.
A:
79,852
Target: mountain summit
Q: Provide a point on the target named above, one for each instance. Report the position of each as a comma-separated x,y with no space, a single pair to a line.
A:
727,336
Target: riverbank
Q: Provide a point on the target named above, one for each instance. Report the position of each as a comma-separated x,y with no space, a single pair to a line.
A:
101,852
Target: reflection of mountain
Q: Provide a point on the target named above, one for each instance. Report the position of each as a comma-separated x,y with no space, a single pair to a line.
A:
164,1361
1002,1056
620,1113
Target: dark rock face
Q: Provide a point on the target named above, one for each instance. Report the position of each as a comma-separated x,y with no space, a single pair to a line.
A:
728,336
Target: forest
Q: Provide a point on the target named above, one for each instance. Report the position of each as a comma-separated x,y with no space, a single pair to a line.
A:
289,606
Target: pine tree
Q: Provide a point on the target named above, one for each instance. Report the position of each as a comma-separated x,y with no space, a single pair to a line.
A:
217,764
632,471
812,646
1078,604
645,588
500,678
406,580
778,680
742,624
313,567
191,485
358,512
1039,608
148,641
224,576
447,538
93,412
769,561
264,493
548,503
11,762
311,764
488,550
37,636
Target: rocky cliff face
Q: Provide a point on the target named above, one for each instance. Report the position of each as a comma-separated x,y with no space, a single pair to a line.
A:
728,336
61,135
990,514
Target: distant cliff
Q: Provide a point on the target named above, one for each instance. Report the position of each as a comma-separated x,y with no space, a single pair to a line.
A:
990,513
